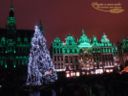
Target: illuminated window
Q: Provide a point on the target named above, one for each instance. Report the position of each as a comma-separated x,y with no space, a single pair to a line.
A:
3,40
26,40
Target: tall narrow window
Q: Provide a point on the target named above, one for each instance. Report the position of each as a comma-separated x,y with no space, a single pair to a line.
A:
66,59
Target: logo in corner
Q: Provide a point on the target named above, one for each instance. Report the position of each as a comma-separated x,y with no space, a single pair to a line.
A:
114,8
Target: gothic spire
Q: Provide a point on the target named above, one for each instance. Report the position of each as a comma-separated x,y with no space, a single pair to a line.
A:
11,20
11,11
83,31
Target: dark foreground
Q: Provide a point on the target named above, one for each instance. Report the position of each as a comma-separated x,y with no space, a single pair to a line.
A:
97,85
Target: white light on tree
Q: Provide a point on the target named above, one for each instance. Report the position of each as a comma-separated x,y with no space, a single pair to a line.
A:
40,67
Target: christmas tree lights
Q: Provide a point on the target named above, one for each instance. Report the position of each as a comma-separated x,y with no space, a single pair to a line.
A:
40,67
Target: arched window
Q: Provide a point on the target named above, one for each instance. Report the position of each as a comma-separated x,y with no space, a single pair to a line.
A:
54,50
62,66
26,40
57,50
65,50
70,42
54,58
3,41
71,60
55,66
58,58
61,58
70,51
76,60
57,44
60,50
75,50
19,40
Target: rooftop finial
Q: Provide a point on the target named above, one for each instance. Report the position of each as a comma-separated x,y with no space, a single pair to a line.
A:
11,5
83,32
11,12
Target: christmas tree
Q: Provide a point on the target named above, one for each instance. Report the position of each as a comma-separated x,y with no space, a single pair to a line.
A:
40,66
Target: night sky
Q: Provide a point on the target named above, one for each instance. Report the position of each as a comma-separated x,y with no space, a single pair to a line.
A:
61,17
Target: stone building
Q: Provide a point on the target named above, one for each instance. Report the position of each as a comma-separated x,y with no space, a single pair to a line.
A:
86,54
14,43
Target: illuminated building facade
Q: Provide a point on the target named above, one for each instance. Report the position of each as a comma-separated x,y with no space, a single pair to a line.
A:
65,54
86,54
91,55
14,43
